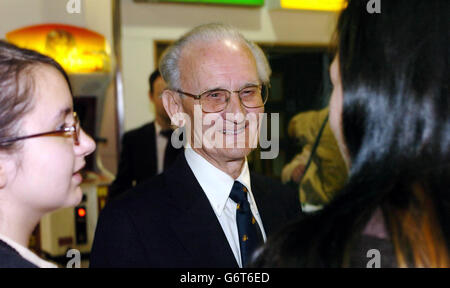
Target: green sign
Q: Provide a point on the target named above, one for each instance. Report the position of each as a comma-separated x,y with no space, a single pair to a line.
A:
223,2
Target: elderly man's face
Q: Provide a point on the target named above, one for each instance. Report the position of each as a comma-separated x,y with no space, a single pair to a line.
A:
224,65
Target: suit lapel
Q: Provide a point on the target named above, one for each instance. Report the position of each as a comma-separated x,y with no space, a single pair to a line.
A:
257,190
276,204
194,221
264,203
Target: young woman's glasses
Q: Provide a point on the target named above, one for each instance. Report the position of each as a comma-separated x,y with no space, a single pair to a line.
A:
73,130
216,100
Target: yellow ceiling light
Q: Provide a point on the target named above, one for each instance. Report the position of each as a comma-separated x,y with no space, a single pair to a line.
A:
78,50
320,5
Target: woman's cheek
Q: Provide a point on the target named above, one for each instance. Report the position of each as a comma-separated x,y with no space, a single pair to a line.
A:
335,112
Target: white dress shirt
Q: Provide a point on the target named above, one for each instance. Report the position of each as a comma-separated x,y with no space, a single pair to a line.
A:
217,186
27,254
161,143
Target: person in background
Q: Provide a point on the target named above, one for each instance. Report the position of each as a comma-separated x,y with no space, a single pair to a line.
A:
389,111
325,173
146,151
208,209
42,149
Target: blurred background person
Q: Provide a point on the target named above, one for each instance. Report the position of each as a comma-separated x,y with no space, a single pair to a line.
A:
42,149
389,111
319,170
146,151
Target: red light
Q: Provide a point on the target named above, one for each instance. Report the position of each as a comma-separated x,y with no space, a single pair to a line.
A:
81,212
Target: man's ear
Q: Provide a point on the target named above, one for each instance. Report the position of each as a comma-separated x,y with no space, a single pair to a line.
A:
173,106
150,96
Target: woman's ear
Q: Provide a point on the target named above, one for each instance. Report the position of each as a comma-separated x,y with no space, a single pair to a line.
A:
3,175
173,106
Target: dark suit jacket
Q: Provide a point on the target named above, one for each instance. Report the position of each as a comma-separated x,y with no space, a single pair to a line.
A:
169,222
138,160
10,258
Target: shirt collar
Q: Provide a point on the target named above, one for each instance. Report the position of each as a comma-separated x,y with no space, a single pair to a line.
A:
27,254
209,177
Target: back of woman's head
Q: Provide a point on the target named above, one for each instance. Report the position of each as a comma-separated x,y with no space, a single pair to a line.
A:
396,127
394,71
396,120
16,88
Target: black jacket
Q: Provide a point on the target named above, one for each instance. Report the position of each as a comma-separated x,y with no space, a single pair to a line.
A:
169,222
138,160
10,258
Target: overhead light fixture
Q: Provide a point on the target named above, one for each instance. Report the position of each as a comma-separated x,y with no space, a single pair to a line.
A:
318,5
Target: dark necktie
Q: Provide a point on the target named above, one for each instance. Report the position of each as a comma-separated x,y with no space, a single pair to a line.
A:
170,153
249,234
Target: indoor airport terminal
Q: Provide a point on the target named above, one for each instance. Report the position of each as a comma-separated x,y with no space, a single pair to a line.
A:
234,134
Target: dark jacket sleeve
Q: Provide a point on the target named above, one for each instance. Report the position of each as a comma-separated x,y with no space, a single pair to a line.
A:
116,242
10,258
277,204
288,199
124,177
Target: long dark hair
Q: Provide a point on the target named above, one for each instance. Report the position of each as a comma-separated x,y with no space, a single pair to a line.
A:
396,125
17,87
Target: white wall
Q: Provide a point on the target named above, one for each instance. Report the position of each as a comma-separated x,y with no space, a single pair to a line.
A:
144,23
95,15
18,13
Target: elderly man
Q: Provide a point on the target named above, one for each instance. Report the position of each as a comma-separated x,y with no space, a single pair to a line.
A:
207,210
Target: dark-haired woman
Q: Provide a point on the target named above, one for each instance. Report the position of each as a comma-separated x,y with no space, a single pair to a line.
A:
42,149
390,113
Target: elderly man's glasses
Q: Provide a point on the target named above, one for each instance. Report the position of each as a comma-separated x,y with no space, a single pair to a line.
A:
73,130
216,100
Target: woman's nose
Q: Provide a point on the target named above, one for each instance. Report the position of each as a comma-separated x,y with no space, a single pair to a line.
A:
86,146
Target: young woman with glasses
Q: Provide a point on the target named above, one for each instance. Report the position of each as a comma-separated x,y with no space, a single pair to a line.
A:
42,149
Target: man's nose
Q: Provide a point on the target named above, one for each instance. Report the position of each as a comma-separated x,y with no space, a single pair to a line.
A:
235,105
235,111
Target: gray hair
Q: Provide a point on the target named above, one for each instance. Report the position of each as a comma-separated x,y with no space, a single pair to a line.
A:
168,65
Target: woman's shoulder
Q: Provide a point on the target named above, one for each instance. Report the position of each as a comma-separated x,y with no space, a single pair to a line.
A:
10,258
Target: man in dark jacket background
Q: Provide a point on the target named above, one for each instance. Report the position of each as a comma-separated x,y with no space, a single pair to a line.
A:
147,150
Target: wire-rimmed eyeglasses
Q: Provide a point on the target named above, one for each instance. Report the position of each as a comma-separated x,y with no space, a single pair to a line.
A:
216,100
73,130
